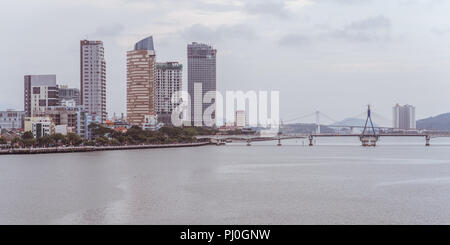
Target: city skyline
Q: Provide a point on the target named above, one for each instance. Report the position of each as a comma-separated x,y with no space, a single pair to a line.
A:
368,49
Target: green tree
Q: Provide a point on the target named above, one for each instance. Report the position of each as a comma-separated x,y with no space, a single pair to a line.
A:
29,142
58,139
114,142
16,142
3,141
28,139
45,141
27,135
100,141
74,139
97,130
88,143
137,134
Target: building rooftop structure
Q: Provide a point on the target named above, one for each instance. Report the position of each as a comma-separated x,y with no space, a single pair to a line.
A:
145,44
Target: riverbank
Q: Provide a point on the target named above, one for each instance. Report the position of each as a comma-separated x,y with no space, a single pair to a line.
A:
68,149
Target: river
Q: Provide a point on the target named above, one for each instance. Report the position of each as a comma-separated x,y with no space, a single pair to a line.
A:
335,182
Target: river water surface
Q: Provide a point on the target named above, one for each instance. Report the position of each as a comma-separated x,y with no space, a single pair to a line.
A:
336,182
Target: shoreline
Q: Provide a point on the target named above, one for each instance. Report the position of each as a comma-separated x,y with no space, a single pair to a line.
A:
22,151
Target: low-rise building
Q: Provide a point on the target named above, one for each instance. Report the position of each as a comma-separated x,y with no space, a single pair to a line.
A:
11,119
39,126
62,129
75,119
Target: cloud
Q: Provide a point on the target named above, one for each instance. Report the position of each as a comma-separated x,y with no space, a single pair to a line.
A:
344,2
110,30
367,30
378,22
293,39
421,2
440,31
277,8
204,33
373,29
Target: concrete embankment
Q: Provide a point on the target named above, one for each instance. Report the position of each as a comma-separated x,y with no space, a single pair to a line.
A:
93,148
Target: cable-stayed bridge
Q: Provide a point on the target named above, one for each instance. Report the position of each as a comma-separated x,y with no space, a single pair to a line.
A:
368,136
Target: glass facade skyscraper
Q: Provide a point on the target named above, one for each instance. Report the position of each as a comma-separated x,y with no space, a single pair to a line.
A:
201,71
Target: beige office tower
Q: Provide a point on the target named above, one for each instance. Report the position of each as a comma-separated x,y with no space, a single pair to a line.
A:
93,79
141,82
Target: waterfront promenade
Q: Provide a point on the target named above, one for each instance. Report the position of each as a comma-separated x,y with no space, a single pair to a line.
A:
67,149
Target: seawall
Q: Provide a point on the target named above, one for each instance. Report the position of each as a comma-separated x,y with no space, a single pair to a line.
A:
68,149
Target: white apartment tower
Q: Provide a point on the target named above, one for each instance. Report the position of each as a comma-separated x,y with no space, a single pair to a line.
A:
168,81
404,117
93,79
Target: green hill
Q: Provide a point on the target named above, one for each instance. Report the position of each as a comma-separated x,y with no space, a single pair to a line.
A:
439,122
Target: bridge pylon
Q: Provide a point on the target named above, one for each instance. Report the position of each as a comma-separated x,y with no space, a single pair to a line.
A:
370,137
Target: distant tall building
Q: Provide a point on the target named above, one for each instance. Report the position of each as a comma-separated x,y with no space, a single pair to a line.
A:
40,91
202,70
404,117
240,119
93,79
141,82
168,80
67,96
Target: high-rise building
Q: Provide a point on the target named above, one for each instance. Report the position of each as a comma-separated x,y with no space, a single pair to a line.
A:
68,96
240,119
93,79
404,117
201,72
141,82
168,81
40,91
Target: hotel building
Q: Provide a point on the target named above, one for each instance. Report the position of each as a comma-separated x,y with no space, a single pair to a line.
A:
141,82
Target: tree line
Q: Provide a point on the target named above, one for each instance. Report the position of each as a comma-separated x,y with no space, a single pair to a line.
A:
104,136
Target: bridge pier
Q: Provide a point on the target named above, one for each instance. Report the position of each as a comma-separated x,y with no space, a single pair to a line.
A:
368,140
427,140
311,140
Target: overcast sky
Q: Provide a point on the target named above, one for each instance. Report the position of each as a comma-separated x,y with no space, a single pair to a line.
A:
335,56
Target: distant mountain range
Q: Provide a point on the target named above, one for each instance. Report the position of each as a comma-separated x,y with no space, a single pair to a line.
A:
439,122
304,128
353,122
